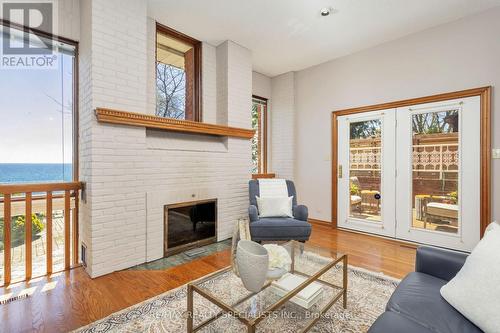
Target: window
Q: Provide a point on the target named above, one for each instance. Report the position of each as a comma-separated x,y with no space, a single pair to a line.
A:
259,141
38,144
178,76
37,112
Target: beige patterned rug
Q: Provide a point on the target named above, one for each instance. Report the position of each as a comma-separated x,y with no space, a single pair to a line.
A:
368,294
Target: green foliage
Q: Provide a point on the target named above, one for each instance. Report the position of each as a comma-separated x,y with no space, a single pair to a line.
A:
255,139
454,196
365,129
18,229
435,122
1,246
18,226
354,189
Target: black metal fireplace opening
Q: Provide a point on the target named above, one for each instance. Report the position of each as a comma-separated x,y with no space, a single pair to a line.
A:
189,225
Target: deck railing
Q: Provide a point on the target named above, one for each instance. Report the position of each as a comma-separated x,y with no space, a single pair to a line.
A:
436,158
426,158
27,199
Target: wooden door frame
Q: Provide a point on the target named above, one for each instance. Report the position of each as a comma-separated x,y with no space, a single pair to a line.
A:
485,95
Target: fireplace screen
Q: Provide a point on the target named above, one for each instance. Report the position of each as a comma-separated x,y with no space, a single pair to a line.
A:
189,225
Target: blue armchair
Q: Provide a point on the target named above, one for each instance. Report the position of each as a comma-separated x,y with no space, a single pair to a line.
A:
278,228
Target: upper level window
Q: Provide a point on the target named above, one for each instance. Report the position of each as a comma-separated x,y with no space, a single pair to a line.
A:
259,141
177,75
37,110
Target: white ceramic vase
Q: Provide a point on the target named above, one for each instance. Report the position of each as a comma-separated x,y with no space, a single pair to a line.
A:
252,260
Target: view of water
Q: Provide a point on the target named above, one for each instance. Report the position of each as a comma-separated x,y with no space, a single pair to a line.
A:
35,172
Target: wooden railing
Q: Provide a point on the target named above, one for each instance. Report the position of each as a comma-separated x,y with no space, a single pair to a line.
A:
36,198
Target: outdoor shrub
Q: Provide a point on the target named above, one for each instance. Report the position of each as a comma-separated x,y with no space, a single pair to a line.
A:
454,196
18,227
354,189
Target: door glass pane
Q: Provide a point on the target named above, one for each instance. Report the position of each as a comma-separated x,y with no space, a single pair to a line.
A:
435,171
365,152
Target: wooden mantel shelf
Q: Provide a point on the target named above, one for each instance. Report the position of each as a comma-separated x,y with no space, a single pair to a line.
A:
137,119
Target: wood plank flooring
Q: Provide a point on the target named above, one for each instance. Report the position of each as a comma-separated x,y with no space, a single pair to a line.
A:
71,299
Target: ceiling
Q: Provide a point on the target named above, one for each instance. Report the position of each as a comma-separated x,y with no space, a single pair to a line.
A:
289,35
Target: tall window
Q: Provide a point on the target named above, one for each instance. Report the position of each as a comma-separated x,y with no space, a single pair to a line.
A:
36,111
259,141
37,126
177,75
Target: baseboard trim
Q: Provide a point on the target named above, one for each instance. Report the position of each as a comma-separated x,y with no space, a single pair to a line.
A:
320,222
402,242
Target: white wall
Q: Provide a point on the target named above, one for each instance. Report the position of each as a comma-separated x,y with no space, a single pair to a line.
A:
282,155
68,19
456,56
261,85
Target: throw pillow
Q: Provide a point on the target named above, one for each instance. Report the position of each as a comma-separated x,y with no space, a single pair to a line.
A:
275,206
475,290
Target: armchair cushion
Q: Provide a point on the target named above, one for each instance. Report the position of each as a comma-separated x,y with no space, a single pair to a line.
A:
300,212
279,228
275,207
253,191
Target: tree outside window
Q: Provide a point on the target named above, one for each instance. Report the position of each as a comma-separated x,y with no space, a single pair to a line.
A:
177,75
259,140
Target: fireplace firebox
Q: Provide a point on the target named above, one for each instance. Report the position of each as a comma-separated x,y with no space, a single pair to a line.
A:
189,225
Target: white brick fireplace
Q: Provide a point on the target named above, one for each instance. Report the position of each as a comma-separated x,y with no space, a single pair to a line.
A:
130,172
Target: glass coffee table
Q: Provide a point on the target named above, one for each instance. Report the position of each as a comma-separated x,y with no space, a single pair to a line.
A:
220,302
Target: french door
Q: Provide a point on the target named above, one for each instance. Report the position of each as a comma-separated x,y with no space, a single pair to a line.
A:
366,155
412,173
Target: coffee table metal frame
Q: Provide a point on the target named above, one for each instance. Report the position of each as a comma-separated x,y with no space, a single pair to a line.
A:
251,323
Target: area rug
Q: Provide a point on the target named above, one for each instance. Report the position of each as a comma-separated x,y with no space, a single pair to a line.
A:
368,293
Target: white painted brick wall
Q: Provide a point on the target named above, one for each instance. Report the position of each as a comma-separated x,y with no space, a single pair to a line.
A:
130,172
222,100
239,85
209,83
282,125
261,85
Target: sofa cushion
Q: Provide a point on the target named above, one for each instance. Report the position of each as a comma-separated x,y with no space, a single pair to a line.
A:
417,298
281,228
475,290
391,322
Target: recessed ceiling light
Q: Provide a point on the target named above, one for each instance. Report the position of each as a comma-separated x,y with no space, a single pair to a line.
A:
325,11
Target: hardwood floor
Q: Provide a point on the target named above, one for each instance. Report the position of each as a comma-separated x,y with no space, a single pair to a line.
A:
71,299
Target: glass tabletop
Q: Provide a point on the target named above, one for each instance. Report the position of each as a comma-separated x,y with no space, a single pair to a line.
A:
321,268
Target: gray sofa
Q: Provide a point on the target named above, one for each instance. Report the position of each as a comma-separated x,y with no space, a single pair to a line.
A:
417,306
278,228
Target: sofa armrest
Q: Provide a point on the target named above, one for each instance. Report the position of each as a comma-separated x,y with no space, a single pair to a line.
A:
253,213
300,212
443,264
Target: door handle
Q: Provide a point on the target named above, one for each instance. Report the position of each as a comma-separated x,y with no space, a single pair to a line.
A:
340,171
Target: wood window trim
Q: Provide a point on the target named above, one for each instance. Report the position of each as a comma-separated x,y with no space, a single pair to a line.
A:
197,45
485,178
262,136
75,44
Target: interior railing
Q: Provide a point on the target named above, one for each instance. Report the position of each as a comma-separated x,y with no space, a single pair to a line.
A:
28,200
